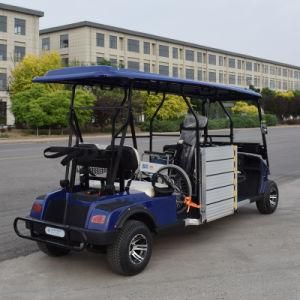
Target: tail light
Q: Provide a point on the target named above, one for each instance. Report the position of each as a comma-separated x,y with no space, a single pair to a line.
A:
37,207
98,219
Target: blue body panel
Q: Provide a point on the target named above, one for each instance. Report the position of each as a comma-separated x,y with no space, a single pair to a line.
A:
162,209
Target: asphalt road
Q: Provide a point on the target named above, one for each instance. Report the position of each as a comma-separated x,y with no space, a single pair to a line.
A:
246,256
25,174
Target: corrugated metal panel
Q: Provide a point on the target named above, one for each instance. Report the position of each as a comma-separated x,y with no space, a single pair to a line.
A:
219,166
217,195
217,153
219,210
219,180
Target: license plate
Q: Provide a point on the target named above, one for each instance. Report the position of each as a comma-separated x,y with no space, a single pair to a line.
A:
55,232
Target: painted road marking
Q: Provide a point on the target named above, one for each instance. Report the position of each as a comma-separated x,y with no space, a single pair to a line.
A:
20,157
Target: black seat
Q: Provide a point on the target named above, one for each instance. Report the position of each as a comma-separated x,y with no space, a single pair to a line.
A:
129,161
93,160
185,153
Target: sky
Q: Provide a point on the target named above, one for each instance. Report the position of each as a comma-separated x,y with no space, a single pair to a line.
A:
263,28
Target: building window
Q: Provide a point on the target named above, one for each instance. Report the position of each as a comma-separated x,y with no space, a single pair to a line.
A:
278,84
19,53
279,71
46,44
113,42
189,73
221,77
199,75
239,64
146,48
212,77
272,70
100,39
221,61
266,69
65,61
20,26
133,45
189,55
248,80
231,79
3,110
3,52
212,59
163,70
284,72
249,66
272,84
240,78
231,63
284,85
3,23
163,51
114,62
64,41
133,65
175,53
3,82
175,71
199,57
256,67
147,67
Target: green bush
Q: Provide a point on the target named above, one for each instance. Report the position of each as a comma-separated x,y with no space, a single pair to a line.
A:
271,120
239,121
245,121
218,123
172,125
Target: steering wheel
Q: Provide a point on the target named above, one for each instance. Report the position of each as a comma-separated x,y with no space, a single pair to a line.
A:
176,182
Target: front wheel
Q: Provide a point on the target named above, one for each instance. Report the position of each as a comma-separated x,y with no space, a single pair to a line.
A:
52,250
131,250
269,202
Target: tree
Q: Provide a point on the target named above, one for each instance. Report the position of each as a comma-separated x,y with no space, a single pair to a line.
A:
30,67
243,108
38,107
173,107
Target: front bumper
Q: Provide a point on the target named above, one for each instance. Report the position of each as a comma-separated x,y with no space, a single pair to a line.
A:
75,238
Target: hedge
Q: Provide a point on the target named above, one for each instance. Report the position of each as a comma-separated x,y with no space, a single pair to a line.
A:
239,121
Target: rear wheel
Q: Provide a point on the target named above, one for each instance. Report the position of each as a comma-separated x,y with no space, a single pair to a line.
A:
52,250
269,202
131,250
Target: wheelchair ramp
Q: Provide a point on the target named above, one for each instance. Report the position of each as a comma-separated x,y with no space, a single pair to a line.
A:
219,182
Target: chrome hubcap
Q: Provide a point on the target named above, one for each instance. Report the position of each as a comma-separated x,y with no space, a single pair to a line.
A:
138,248
273,197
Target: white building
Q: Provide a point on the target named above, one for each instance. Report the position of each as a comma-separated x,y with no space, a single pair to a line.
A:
19,35
88,42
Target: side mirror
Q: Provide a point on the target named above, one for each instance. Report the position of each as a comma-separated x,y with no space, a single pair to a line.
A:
264,128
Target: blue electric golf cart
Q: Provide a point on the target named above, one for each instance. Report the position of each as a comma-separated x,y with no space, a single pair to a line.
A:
113,198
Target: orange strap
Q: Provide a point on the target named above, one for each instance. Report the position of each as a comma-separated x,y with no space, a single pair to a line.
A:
189,203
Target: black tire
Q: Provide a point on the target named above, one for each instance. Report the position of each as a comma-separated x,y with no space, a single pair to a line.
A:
269,203
52,250
121,255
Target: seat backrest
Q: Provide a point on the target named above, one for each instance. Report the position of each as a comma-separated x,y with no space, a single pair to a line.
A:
184,156
129,161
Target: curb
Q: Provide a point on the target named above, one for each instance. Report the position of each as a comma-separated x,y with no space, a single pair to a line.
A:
53,139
